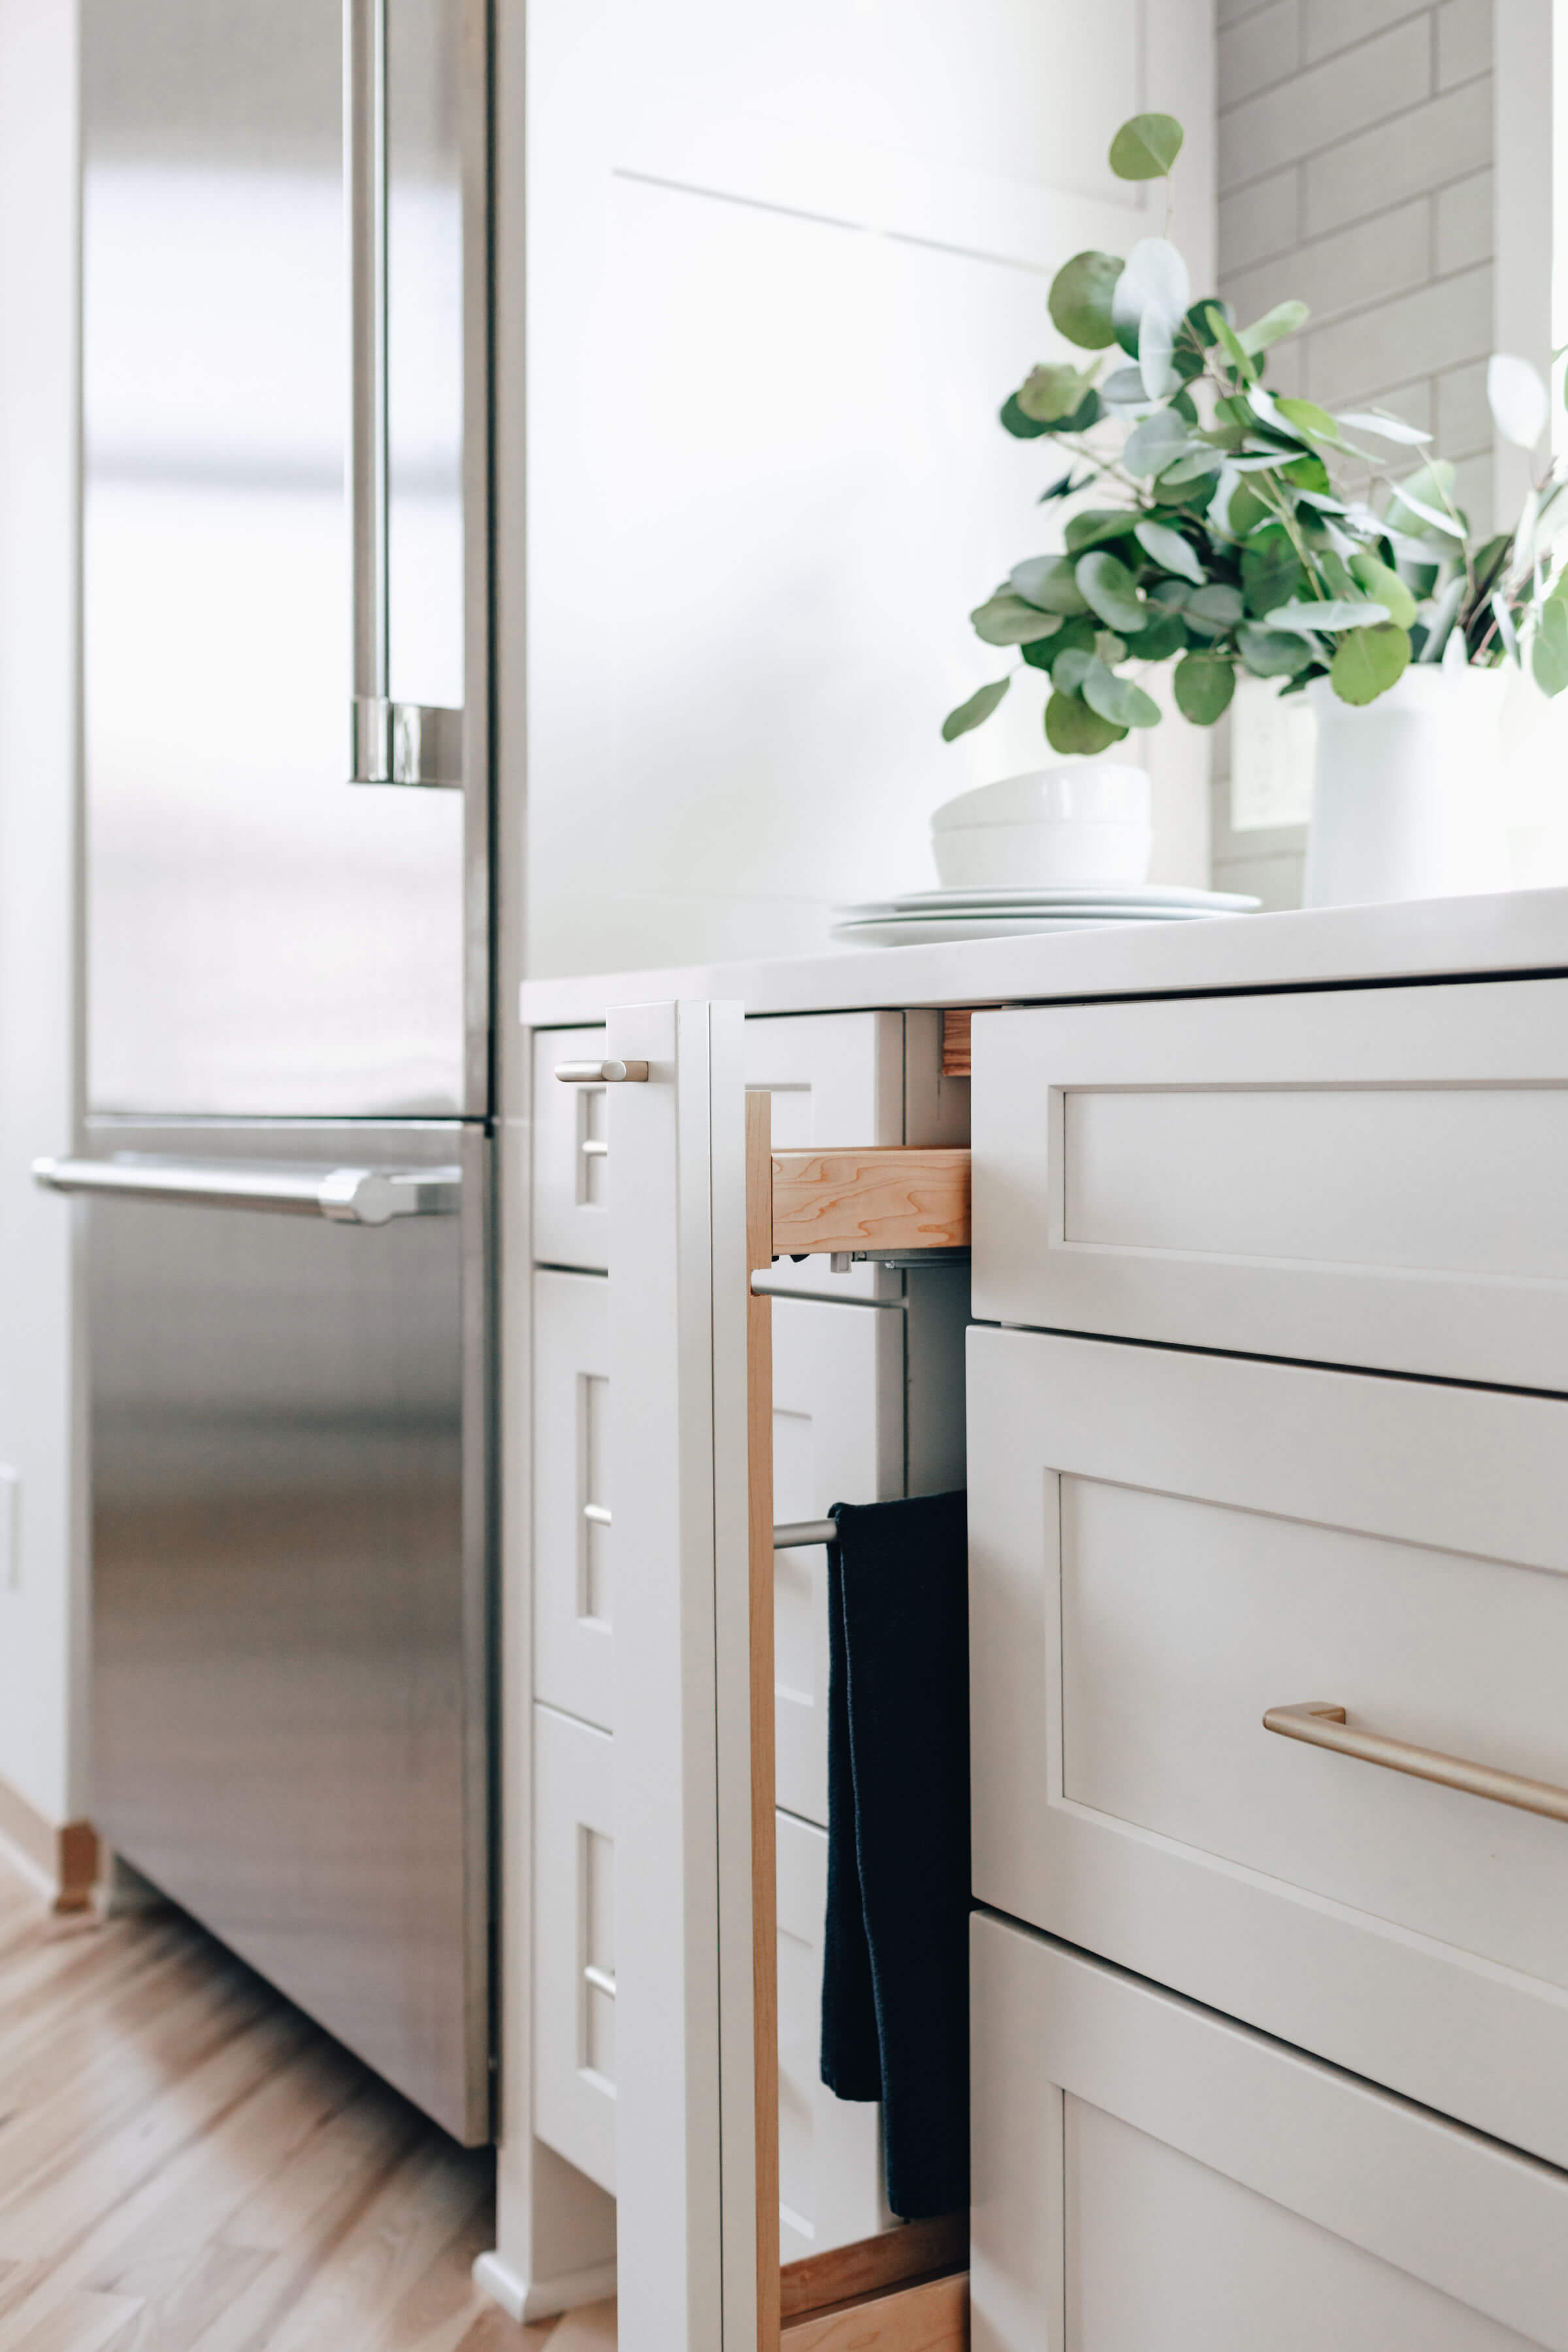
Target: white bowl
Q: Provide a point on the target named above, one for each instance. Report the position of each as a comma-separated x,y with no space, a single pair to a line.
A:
1086,823
1103,791
1074,850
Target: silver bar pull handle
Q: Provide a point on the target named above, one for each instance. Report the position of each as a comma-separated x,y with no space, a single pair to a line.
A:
389,743
789,1535
601,1074
348,1196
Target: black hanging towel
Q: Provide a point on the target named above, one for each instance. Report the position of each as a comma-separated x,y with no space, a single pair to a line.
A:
895,1980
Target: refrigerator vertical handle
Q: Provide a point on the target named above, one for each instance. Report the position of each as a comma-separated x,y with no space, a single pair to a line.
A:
389,743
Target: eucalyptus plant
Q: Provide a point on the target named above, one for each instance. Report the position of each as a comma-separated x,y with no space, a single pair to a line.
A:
1232,528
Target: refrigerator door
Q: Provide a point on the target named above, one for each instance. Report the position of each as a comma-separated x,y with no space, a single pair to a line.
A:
265,938
289,1575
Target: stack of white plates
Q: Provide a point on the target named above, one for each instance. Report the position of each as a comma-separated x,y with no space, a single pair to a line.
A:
931,917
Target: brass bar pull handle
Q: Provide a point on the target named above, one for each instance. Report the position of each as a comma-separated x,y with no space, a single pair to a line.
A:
601,1074
1321,1724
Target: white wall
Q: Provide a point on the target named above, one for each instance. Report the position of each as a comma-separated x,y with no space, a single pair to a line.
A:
784,265
1355,143
42,1612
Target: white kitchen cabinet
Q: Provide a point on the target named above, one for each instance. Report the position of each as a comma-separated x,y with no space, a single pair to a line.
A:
573,1943
570,1157
868,1402
1165,1545
1342,1176
830,2153
1150,2177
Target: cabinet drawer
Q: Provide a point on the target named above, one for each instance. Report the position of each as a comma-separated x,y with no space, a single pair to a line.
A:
1165,1545
1150,2177
573,1943
830,2155
1357,1177
866,1399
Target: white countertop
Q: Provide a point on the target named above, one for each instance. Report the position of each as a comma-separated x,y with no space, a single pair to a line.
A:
1508,931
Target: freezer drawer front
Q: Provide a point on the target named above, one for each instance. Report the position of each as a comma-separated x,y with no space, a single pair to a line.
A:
289,1545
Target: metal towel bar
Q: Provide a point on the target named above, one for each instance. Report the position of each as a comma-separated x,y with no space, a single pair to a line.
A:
789,1535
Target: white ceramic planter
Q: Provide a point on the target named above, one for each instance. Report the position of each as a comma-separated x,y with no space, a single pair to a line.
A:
1058,826
1407,798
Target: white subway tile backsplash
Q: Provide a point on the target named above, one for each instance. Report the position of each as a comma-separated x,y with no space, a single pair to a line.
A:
1331,25
1415,402
1464,41
1260,49
1464,420
1463,223
1369,263
1260,220
1418,334
1381,78
1434,144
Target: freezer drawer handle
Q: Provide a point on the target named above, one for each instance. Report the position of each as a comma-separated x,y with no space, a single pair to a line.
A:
1323,1725
601,1074
349,1196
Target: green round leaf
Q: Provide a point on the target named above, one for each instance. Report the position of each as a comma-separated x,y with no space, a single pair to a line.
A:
1549,653
1111,590
1047,395
1272,653
1204,685
1285,319
1146,147
1022,428
1156,443
1148,309
1071,667
1079,300
1162,638
1048,582
1006,620
975,711
1368,662
1214,608
1270,570
1076,636
1169,551
1385,586
1305,416
1118,699
1097,524
1326,616
1071,725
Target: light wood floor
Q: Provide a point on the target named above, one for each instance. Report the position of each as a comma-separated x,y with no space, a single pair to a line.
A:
188,2164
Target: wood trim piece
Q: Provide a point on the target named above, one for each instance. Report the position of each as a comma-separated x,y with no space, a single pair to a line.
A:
956,1043
894,1198
932,2317
66,1857
917,2250
764,1830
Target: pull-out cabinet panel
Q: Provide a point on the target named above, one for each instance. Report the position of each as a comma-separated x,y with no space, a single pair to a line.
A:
1348,1177
1151,2177
842,1376
830,2152
1164,1548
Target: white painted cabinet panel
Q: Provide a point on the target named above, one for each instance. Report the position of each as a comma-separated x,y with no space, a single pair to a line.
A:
1162,1545
830,2150
1151,2177
570,1199
573,1943
1355,1176
573,1658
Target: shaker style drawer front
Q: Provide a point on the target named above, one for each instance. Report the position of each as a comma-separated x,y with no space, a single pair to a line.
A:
574,1656
1150,2177
1359,1177
1164,1548
830,2150
571,1171
836,1078
838,1438
574,1952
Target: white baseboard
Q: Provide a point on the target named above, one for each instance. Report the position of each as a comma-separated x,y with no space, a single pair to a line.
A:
529,2299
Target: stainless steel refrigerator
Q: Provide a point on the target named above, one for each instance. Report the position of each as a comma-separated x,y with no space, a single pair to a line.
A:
285,1160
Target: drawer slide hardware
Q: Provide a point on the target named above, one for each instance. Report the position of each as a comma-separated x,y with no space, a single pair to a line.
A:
1323,1725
